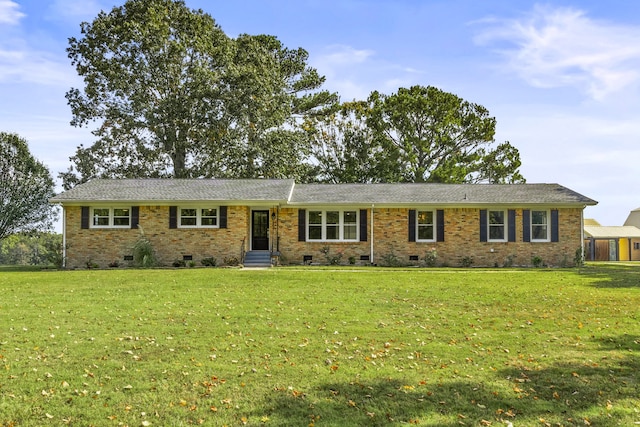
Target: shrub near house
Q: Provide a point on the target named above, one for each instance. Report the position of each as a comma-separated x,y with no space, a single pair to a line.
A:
191,220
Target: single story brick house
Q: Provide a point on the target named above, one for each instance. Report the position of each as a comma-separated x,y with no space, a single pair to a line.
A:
192,219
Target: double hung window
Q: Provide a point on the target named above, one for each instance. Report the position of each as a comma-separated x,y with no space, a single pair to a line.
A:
425,226
539,226
497,226
332,225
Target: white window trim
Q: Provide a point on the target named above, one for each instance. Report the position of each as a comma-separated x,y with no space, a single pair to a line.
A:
434,225
340,225
111,217
505,225
548,224
198,216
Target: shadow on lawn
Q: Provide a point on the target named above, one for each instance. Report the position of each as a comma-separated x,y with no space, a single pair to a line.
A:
565,393
613,275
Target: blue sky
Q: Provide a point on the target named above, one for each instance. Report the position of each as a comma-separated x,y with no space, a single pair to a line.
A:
562,78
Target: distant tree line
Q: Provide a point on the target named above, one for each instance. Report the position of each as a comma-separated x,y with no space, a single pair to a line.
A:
43,249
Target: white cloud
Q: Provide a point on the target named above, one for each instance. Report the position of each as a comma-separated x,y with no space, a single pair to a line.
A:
75,10
355,73
33,67
341,55
338,63
557,47
9,13
31,56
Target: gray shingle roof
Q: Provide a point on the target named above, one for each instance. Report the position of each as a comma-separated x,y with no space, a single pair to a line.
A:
437,194
172,190
287,192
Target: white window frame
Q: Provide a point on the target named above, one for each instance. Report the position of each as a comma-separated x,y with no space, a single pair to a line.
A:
505,225
111,217
433,225
547,224
198,217
341,225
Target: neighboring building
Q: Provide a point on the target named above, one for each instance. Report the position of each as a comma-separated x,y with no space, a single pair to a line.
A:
617,243
613,243
488,224
634,218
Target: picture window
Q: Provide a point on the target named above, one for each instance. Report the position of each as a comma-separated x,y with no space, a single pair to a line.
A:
332,225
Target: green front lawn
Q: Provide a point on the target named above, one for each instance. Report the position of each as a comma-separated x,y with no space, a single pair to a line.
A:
304,347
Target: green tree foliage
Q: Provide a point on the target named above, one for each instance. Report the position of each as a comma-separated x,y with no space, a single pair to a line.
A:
345,148
271,91
25,188
436,136
152,72
173,96
31,249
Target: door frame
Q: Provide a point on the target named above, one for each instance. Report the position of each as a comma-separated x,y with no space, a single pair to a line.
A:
267,211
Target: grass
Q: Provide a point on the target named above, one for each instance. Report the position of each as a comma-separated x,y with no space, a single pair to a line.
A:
283,347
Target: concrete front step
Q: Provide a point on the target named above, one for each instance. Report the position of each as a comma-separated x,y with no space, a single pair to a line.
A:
257,259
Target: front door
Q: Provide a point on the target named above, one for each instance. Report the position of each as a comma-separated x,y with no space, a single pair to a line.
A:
259,230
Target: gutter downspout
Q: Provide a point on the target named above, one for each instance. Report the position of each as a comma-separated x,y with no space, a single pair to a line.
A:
64,237
371,251
582,232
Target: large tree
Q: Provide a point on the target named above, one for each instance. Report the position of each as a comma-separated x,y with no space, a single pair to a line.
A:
173,96
25,188
345,149
272,90
152,73
435,136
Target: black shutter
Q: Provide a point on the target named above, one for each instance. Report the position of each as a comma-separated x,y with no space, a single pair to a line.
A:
412,225
135,216
84,217
302,225
511,223
554,226
483,225
173,217
526,225
223,217
363,225
440,225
